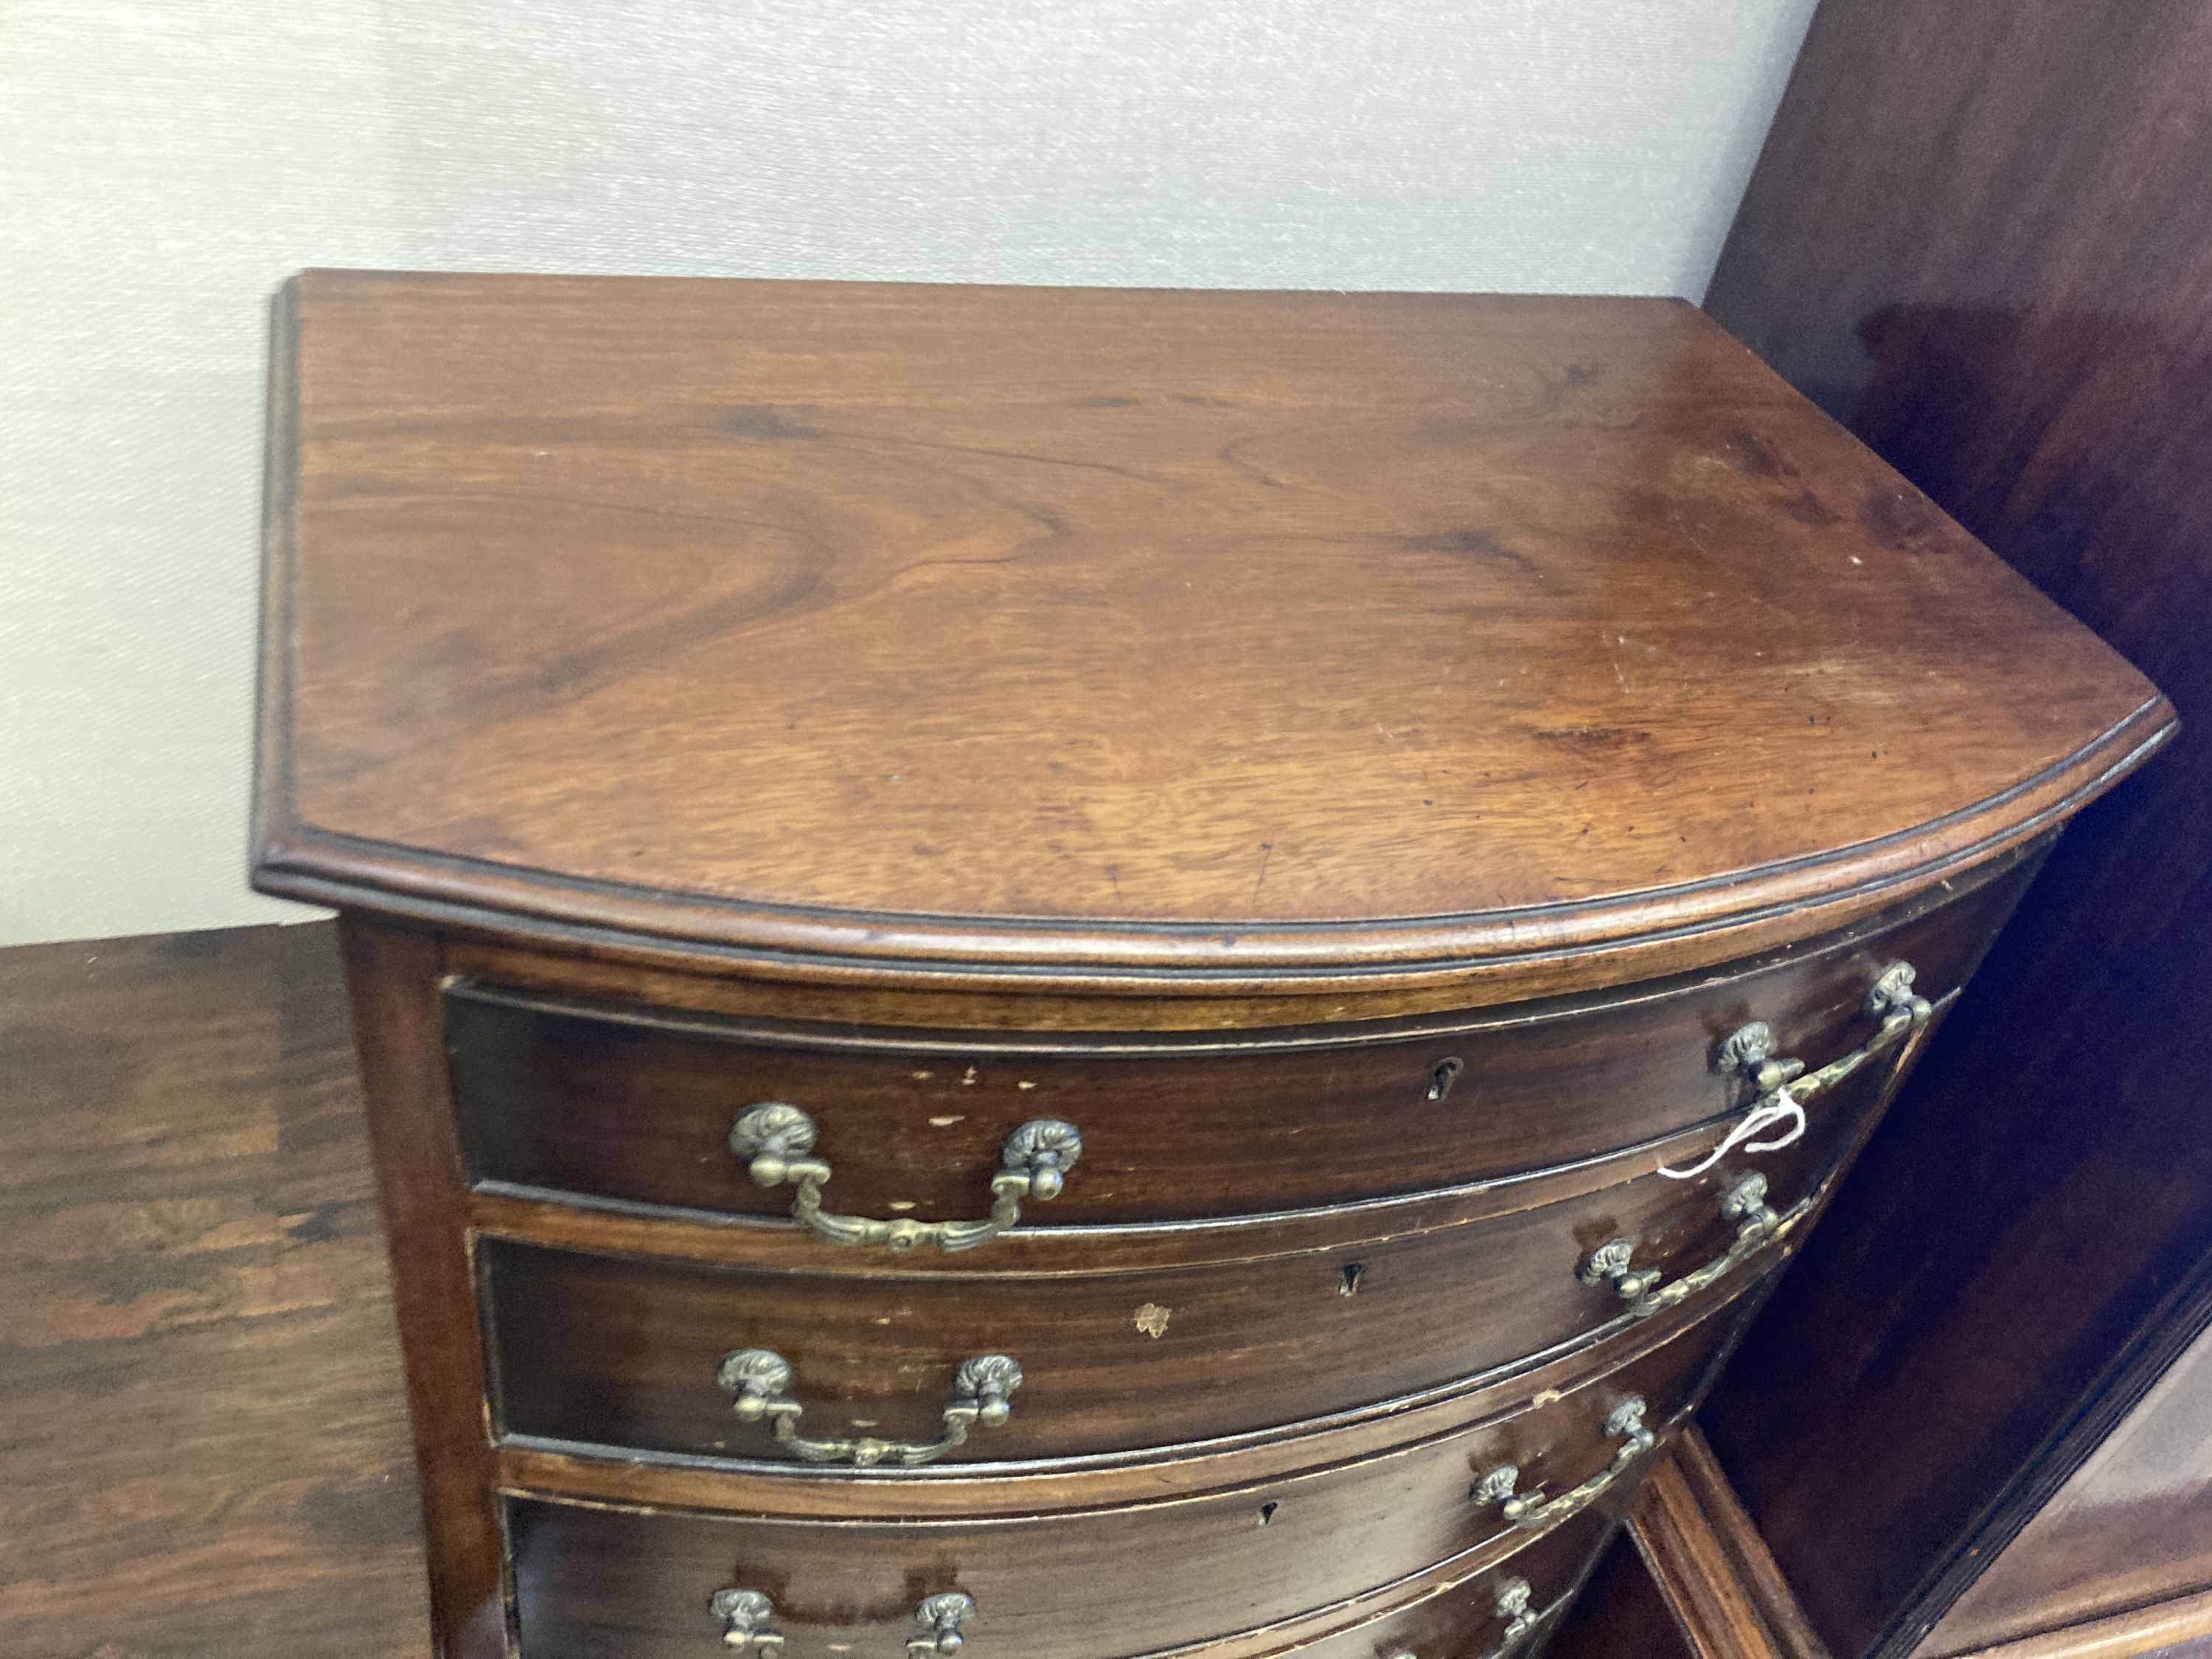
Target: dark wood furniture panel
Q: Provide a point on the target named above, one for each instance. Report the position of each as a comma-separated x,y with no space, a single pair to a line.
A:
862,670
637,1105
643,1582
1505,1608
2132,1528
1179,644
1979,237
1192,1573
626,1351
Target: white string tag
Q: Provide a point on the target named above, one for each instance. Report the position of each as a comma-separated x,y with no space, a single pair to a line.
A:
1781,1107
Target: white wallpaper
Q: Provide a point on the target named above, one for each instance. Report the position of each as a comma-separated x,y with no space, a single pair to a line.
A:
164,164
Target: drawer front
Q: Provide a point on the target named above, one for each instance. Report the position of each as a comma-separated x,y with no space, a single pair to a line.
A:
1145,1579
626,1353
636,1106
1503,1611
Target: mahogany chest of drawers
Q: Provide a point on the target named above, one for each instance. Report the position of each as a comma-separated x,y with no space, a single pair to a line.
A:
1105,973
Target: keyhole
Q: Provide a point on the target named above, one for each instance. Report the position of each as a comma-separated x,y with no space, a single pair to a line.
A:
1267,1513
1353,1273
1446,1074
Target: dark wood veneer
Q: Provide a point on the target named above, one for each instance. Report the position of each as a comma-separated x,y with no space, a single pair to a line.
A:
1203,1563
607,1100
1980,237
694,691
624,1352
1173,637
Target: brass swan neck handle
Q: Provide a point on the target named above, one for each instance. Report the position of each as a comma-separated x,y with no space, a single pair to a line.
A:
1532,1510
1749,1050
760,1383
1612,1262
776,1138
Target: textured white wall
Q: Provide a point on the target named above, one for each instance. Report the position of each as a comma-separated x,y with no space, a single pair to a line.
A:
165,163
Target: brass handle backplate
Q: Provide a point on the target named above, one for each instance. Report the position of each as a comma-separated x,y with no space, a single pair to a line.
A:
1513,1605
775,1137
745,1616
937,1625
1613,1262
1532,1510
760,1383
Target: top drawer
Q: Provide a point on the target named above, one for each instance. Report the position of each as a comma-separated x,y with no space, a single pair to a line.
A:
633,1105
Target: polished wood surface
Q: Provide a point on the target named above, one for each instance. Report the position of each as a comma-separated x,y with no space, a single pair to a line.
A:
2178,1629
1181,714
1187,1571
192,1244
1710,1567
1124,638
639,1583
624,1351
1512,1411
1978,236
390,979
2130,1528
205,1453
611,1100
597,1348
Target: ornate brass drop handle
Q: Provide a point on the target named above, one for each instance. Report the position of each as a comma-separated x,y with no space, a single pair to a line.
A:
1612,1262
1532,1510
775,1139
745,1614
761,1382
1749,1049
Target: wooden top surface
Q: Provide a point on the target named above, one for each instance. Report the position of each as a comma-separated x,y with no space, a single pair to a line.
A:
1102,635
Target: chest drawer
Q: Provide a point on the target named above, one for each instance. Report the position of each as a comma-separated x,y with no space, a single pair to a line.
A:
623,1104
1244,1569
634,1352
1500,1613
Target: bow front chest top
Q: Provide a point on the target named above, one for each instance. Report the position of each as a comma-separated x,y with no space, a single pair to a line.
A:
1089,974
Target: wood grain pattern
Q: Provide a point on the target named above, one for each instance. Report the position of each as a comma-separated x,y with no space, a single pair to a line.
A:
392,980
624,1353
2131,1526
1176,637
1187,1570
598,1099
641,1582
205,1453
1710,1564
949,1490
2178,1629
871,667
1978,236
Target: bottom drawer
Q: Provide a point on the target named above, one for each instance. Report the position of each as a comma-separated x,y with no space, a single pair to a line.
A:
1503,1612
1253,1571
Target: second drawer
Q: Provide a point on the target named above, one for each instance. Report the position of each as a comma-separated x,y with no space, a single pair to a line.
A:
636,1354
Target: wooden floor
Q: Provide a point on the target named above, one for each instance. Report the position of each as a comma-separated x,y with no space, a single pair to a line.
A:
204,1452
203,1447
